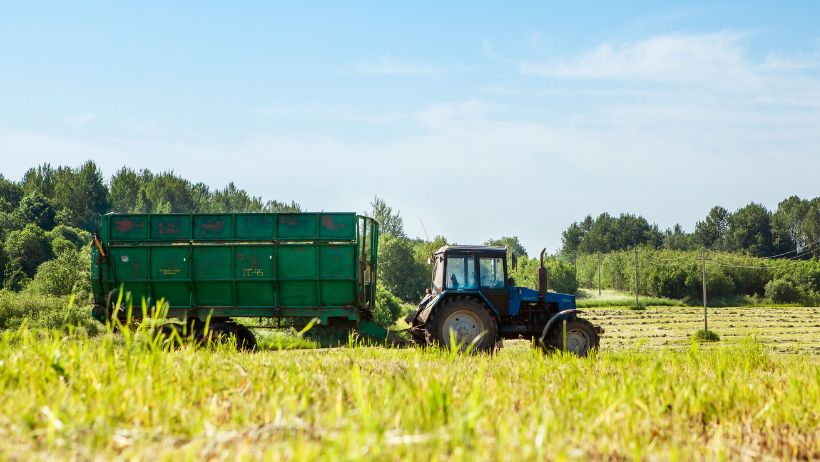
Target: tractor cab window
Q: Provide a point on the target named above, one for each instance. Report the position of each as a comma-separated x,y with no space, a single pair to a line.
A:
438,274
492,273
461,273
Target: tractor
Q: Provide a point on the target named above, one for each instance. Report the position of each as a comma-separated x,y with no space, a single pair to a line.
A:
473,305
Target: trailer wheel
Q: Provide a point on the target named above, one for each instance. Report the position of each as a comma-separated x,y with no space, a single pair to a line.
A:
245,340
223,332
467,319
581,337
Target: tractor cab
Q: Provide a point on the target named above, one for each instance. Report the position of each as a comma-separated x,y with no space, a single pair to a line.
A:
473,300
472,269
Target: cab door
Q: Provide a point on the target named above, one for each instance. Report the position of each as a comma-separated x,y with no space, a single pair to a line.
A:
492,272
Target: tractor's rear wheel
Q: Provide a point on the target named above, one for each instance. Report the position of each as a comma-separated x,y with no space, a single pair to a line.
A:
470,323
581,337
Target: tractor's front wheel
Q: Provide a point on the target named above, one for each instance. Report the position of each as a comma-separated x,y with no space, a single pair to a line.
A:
581,337
465,321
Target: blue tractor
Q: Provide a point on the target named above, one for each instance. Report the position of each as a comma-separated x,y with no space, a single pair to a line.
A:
473,304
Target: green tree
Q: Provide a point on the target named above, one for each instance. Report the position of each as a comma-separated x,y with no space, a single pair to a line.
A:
233,199
28,247
67,274
401,274
35,209
677,239
607,234
83,192
389,222
750,230
125,187
388,308
712,232
512,244
41,179
10,194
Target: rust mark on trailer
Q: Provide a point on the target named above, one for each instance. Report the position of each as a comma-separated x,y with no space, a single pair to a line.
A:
125,225
167,228
212,226
328,222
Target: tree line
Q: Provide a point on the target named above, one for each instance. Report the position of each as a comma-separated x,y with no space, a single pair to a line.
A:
790,231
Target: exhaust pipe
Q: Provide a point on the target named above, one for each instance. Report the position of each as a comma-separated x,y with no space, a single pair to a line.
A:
542,277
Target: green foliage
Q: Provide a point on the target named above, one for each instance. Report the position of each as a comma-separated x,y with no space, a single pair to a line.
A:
511,243
678,274
10,194
41,311
35,209
606,234
68,237
67,274
78,194
712,232
560,275
389,308
750,231
399,271
706,336
29,247
782,290
389,222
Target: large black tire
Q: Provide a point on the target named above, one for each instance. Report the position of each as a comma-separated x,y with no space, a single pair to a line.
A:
245,340
581,337
222,332
467,318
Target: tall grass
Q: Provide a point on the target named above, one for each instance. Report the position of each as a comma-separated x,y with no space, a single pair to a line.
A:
126,396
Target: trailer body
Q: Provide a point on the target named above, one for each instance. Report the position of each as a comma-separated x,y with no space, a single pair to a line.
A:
228,265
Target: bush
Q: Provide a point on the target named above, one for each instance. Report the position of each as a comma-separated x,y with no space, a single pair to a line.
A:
706,336
782,291
29,246
67,274
42,311
389,308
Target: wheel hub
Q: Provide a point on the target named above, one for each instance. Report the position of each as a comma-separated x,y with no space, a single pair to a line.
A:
577,341
465,326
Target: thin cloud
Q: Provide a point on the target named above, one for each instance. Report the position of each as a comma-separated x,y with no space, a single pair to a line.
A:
664,59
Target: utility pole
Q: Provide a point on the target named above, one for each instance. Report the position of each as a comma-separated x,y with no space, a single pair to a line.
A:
703,269
599,274
637,305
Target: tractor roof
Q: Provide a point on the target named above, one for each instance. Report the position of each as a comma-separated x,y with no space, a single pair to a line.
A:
473,249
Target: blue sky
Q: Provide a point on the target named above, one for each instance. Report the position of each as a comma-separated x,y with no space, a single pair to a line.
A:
479,119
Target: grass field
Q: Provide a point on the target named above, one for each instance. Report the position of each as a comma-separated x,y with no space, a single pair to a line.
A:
649,393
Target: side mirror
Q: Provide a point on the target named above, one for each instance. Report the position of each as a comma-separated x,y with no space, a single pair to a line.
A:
514,261
429,261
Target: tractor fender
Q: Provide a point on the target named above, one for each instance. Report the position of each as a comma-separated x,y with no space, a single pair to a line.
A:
558,316
423,311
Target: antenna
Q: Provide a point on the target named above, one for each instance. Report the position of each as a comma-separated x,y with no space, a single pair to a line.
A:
424,229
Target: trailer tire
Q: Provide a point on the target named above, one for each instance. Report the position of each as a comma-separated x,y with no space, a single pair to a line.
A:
245,340
581,337
467,318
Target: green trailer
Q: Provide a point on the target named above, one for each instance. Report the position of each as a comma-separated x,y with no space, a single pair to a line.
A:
230,265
